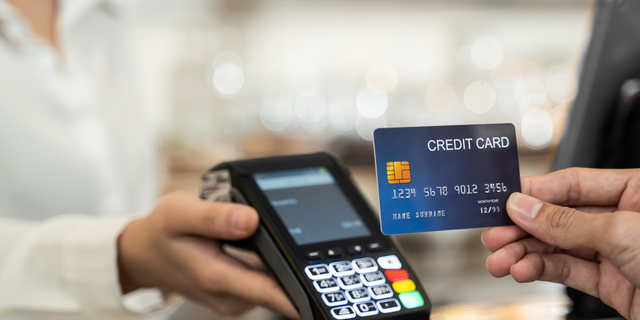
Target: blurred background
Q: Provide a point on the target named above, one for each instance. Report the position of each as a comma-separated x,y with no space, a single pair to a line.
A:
236,79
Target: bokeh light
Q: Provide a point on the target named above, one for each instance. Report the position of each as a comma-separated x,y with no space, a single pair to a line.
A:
371,104
529,93
561,84
440,97
343,115
322,129
308,78
506,74
382,78
310,107
227,57
276,114
531,69
537,128
479,97
366,126
228,79
506,101
486,53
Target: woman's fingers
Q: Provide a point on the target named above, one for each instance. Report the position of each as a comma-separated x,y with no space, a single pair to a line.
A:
258,288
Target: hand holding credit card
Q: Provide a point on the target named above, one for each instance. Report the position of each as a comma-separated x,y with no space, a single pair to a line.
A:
445,177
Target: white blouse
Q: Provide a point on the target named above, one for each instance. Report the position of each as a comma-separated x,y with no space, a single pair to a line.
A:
76,160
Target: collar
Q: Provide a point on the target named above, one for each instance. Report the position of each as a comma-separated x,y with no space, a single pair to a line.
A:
15,28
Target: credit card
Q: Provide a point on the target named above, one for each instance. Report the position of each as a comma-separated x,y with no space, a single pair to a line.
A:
445,177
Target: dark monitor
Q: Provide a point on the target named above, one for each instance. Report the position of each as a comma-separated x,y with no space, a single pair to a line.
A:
603,125
311,205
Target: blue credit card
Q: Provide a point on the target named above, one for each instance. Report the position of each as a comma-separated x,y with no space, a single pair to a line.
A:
445,177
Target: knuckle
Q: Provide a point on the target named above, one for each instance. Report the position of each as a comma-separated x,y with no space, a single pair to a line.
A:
565,272
560,219
574,192
209,281
211,221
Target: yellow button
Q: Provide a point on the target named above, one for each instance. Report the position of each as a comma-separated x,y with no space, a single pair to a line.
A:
403,286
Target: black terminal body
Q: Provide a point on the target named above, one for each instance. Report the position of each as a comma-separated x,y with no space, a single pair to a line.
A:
320,238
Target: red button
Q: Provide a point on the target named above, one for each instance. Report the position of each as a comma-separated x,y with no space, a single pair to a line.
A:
396,275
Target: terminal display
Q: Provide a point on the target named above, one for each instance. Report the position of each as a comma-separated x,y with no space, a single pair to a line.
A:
311,205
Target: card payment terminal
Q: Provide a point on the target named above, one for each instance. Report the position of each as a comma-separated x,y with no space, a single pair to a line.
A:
320,238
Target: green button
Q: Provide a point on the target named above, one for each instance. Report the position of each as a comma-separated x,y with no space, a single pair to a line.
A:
411,299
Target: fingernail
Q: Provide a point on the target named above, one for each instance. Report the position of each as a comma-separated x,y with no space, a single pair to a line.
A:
240,219
524,206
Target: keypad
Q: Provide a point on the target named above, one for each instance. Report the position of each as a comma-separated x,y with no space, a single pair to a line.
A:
366,309
404,286
381,292
411,299
318,271
341,269
358,295
389,262
350,282
334,298
326,285
388,306
364,265
364,286
396,275
372,279
344,312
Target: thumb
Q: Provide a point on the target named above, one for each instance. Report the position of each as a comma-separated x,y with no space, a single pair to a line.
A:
563,227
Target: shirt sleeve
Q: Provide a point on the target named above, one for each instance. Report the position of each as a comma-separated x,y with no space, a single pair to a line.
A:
69,264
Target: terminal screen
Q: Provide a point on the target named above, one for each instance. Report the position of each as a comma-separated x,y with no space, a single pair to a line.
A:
311,205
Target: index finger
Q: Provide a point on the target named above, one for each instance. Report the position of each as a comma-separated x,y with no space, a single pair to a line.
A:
184,213
580,186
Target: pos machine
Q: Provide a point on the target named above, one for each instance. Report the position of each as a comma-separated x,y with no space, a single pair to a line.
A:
320,238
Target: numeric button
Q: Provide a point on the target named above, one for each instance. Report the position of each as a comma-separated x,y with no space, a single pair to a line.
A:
364,265
318,272
373,278
388,306
341,269
358,295
334,299
366,309
350,282
381,292
345,312
326,285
